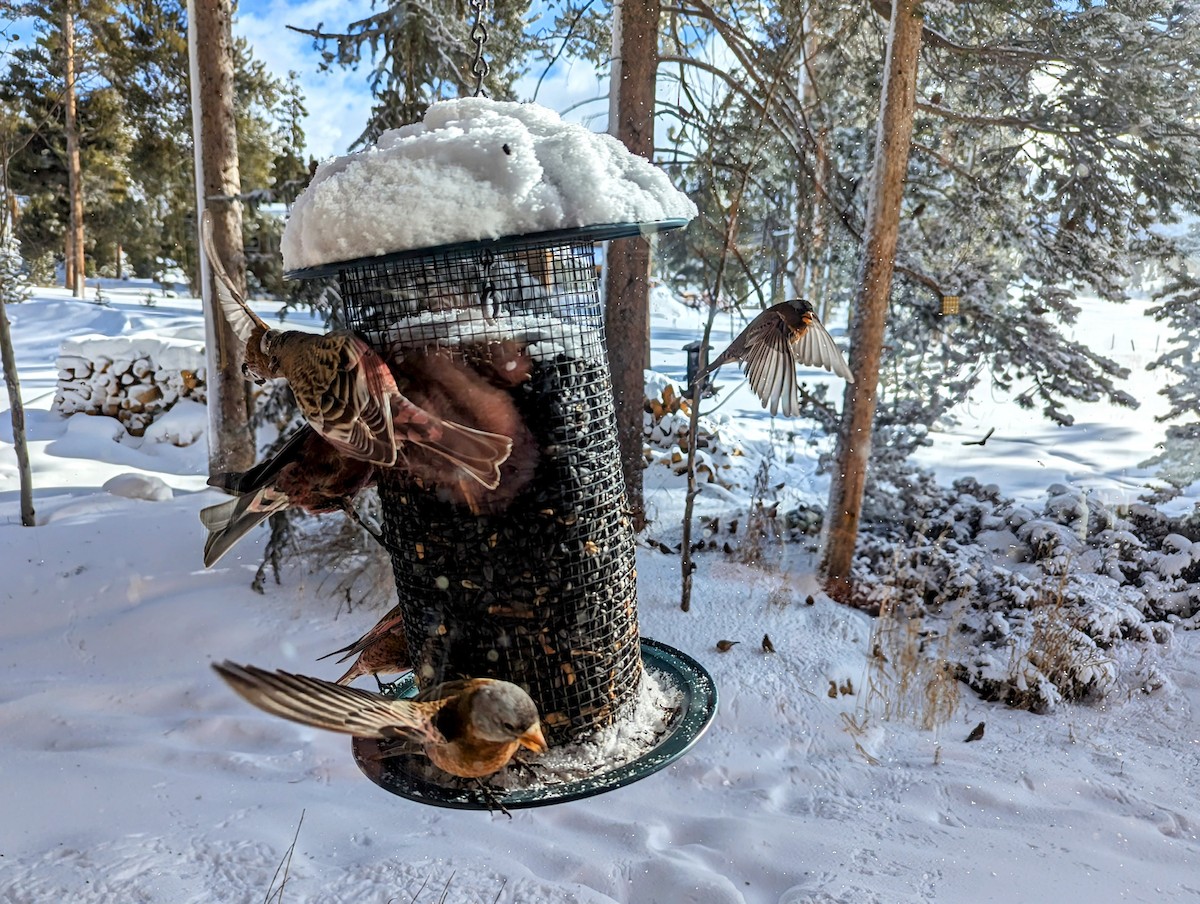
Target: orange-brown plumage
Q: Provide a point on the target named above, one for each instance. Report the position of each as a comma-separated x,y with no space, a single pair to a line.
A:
469,728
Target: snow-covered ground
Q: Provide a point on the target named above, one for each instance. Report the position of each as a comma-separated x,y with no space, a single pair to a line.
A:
132,773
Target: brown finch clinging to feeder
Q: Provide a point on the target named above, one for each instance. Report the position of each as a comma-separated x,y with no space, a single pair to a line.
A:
307,472
468,728
347,393
771,346
454,391
382,650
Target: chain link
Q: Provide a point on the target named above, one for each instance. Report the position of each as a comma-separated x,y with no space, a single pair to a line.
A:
479,34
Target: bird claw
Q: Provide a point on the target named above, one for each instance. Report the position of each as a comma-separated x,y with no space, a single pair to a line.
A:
526,770
493,797
367,524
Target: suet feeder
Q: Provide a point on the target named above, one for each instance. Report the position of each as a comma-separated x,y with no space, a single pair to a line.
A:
950,304
542,590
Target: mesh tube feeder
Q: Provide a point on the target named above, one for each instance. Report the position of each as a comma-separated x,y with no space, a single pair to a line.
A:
536,586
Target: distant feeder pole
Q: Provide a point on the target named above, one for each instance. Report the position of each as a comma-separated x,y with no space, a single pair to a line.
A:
695,363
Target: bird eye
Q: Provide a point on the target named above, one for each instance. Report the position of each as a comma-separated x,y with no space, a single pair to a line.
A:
245,370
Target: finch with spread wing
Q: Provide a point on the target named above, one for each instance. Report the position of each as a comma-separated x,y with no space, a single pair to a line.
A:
469,728
771,346
347,393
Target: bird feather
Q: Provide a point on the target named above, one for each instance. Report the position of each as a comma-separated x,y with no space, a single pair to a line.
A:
323,704
816,348
241,319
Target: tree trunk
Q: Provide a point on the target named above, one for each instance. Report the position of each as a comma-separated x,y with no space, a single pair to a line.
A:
230,438
69,257
870,304
627,289
75,271
17,411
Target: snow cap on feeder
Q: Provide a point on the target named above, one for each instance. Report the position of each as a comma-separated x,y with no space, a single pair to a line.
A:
473,170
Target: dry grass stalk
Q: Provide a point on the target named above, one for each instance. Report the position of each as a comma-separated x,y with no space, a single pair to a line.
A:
904,681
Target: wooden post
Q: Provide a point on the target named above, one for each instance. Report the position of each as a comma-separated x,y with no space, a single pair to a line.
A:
218,180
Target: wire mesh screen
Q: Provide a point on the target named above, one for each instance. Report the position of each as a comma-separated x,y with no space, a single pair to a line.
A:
533,580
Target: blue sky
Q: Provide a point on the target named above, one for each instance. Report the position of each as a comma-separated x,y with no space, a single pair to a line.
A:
339,100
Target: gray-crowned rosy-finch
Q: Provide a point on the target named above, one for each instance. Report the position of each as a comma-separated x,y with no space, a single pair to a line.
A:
347,393
306,472
770,347
469,728
382,650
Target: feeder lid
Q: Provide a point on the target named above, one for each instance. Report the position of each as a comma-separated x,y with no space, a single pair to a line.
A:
697,708
600,233
473,169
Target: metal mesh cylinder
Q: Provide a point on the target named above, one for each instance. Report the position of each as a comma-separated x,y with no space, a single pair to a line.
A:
539,589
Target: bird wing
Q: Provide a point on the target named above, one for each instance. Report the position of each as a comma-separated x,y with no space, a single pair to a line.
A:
764,321
242,482
770,368
439,393
241,319
389,623
816,348
227,522
323,704
477,453
353,409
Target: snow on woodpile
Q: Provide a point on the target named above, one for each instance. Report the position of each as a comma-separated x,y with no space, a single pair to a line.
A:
473,169
133,378
665,422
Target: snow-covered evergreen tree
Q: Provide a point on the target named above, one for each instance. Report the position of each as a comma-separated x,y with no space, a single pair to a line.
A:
1179,307
14,286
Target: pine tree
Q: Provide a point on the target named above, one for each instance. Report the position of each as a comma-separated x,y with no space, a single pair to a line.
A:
1179,307
420,52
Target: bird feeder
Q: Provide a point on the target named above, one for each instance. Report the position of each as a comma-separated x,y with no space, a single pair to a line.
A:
539,589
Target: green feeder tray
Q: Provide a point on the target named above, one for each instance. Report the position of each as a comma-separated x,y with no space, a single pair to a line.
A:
675,669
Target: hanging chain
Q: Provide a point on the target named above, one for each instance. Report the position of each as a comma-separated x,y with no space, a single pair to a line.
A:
479,34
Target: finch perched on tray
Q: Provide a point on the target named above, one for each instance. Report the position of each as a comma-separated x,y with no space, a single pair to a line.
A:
771,346
307,472
383,649
347,393
469,728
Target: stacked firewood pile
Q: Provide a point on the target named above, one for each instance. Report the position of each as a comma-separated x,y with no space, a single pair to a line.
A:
134,379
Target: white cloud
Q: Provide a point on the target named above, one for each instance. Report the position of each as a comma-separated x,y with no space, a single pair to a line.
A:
339,100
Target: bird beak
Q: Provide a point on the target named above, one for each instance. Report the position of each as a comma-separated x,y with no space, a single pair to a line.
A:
534,739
